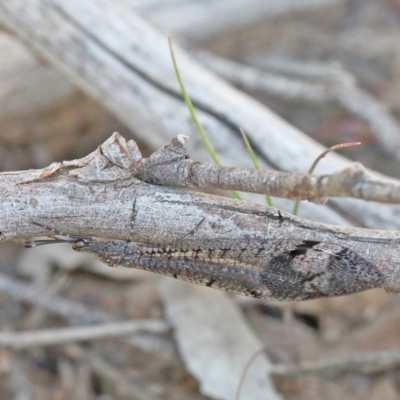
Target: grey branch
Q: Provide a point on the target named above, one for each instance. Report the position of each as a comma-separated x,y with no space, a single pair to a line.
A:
372,362
329,83
75,312
51,337
188,19
170,166
95,196
94,49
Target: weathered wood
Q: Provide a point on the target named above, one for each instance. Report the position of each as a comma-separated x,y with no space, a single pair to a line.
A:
171,166
42,114
96,196
33,87
110,52
197,21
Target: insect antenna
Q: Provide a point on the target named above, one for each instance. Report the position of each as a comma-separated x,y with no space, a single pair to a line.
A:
40,242
53,238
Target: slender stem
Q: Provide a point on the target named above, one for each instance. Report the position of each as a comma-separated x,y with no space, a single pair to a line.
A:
255,161
318,159
246,369
189,104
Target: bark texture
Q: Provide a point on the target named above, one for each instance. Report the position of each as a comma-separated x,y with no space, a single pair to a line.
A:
95,196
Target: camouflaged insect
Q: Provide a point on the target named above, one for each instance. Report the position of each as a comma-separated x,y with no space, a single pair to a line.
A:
275,269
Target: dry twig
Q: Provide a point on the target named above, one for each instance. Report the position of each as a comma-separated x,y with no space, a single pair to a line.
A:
188,19
373,362
52,337
329,83
353,181
75,312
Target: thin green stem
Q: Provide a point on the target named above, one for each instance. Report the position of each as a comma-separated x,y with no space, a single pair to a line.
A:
255,161
189,104
318,159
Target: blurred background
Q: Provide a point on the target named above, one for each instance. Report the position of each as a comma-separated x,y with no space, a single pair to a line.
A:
328,67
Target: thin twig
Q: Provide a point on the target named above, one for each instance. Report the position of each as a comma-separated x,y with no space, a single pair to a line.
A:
76,313
57,336
362,363
331,82
318,159
246,369
71,310
170,167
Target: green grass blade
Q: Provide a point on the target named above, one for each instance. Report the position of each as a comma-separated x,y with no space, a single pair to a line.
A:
189,104
255,161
